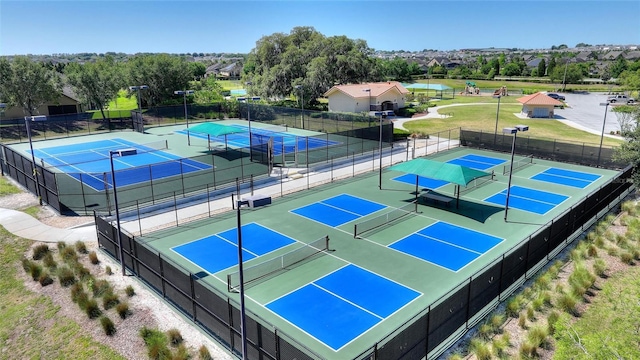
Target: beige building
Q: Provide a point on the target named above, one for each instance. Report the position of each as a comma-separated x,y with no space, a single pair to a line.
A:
538,105
357,98
65,104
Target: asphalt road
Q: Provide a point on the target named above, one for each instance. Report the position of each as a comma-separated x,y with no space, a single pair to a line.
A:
585,110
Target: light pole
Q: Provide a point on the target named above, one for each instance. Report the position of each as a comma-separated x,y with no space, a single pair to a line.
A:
606,107
514,131
369,105
115,200
138,88
184,94
243,325
495,133
299,87
27,123
380,149
249,83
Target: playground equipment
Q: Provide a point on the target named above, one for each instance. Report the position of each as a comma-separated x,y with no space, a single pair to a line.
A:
501,92
471,88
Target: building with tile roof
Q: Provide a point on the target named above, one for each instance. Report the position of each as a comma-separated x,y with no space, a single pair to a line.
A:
370,97
538,105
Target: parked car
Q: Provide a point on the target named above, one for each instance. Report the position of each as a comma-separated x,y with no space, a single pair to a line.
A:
621,99
556,96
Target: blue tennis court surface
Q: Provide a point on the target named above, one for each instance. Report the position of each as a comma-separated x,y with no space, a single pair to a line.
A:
338,210
283,143
446,245
531,200
220,251
566,177
477,162
91,161
341,306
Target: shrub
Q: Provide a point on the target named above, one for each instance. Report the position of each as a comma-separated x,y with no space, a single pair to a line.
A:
600,242
538,302
92,310
537,335
45,279
81,247
123,310
531,312
496,322
175,338
485,331
66,276
204,353
499,345
93,258
527,349
35,271
69,255
156,342
182,353
626,257
109,300
129,291
76,290
49,261
101,287
61,246
522,320
513,306
600,267
107,325
543,281
567,302
108,270
83,273
481,349
40,251
551,322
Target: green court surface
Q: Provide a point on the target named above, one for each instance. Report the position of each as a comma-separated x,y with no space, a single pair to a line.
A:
476,220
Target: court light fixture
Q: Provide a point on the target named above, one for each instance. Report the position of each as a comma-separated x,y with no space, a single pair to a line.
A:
27,123
511,131
138,88
120,153
184,94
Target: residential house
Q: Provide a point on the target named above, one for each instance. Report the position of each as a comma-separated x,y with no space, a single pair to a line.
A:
66,103
357,98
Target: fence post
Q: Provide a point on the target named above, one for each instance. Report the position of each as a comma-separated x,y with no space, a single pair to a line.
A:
139,218
175,207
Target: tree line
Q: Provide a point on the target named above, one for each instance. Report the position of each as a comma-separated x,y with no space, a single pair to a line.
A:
303,64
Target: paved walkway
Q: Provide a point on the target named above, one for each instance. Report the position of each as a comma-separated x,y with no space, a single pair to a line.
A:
28,227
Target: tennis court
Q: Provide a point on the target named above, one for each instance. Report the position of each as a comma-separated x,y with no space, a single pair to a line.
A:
283,142
566,177
91,159
527,199
406,258
361,298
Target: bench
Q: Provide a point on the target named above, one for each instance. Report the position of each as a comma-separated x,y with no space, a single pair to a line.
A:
257,200
436,198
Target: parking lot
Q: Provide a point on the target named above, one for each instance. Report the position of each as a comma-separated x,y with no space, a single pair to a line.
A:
585,112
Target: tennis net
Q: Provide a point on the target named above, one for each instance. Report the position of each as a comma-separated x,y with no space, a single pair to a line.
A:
252,274
384,219
517,164
477,182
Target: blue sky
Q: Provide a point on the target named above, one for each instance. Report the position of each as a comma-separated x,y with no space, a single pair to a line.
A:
47,27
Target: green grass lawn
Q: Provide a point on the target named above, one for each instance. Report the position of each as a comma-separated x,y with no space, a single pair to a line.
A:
118,108
483,117
7,188
231,84
518,85
610,328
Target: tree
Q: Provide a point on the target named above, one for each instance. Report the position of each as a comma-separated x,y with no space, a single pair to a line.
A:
163,73
574,74
542,67
618,67
511,69
551,66
198,70
28,84
631,79
211,91
629,151
96,83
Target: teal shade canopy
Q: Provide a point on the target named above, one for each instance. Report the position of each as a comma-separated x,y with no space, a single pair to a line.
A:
456,174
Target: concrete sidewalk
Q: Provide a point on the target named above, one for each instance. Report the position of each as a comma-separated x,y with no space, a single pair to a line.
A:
28,227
